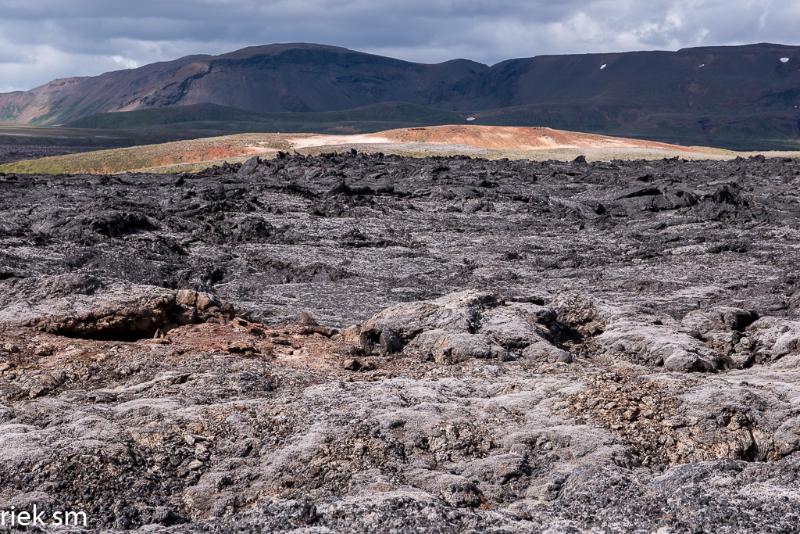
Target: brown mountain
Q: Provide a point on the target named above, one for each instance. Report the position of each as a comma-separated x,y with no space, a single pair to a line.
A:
284,77
728,95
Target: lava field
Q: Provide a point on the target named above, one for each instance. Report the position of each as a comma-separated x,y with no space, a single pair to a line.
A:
372,343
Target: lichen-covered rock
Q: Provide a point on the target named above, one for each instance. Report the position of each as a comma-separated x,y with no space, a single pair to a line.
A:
724,318
544,350
775,338
453,347
459,327
658,342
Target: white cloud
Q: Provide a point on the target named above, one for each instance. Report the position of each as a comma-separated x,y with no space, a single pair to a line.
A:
125,62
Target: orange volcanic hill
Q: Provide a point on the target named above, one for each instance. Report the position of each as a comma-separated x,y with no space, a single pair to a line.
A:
518,138
474,140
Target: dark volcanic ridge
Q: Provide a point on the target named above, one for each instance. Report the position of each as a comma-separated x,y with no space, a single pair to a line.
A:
362,343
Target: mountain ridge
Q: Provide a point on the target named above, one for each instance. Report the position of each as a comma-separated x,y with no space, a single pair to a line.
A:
690,95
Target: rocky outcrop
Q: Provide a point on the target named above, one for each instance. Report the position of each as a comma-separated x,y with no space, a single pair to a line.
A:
463,326
142,318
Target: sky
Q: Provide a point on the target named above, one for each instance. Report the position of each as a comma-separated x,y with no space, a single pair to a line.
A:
41,40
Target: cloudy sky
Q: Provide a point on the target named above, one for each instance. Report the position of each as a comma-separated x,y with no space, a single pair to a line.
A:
45,39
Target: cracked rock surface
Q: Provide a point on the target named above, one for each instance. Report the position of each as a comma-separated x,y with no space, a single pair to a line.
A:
354,343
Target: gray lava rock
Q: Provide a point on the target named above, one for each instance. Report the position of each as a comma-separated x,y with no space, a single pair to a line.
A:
450,407
249,167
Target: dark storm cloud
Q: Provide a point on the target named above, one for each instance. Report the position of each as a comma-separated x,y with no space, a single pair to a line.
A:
45,39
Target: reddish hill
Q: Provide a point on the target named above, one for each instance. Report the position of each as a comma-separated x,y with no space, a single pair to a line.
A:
518,138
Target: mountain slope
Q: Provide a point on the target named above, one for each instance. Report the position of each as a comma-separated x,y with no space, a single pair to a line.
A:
262,79
219,119
708,79
725,95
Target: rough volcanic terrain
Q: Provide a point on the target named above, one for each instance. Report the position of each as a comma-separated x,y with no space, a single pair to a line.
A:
11,153
368,343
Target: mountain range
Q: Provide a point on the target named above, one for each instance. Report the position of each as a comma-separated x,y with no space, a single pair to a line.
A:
738,97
